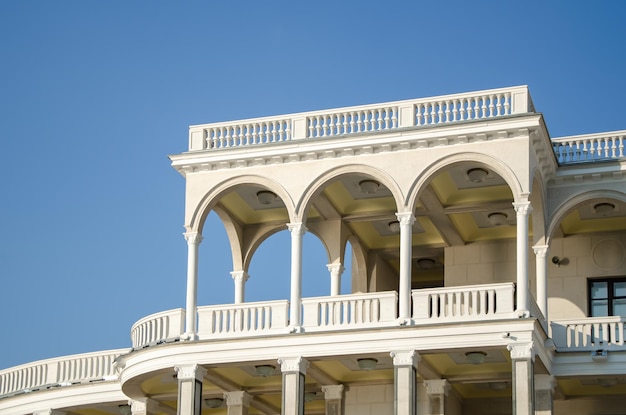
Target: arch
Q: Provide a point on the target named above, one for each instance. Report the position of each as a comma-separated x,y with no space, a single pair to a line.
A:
208,201
316,186
496,165
570,204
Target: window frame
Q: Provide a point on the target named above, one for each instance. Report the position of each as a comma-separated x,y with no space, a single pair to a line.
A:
610,293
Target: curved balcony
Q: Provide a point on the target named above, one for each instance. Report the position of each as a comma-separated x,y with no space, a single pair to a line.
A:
60,372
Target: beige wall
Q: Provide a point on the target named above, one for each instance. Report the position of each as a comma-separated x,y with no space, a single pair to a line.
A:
598,255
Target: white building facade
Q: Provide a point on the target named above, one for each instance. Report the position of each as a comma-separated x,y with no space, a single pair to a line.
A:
487,265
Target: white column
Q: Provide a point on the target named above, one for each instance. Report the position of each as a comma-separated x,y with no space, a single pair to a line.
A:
544,388
240,278
437,390
522,209
406,220
193,241
522,359
238,402
333,395
541,252
335,278
189,389
404,367
294,370
297,232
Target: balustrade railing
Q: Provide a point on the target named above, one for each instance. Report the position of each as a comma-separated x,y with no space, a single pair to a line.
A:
58,372
351,310
589,334
362,119
159,327
475,302
589,148
242,319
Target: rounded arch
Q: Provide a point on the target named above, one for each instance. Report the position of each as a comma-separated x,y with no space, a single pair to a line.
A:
496,165
317,185
555,218
210,198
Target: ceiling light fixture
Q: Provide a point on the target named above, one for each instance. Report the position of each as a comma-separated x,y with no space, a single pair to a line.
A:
264,370
497,218
367,363
477,175
265,197
369,186
214,402
476,358
394,226
604,209
426,263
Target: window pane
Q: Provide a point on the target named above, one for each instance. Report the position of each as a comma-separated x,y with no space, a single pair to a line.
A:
599,290
599,308
619,307
619,289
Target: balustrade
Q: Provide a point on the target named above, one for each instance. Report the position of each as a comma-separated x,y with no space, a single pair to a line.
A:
59,372
586,148
159,327
242,319
353,310
589,334
362,119
491,301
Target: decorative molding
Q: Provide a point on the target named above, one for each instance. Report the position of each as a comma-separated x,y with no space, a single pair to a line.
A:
238,398
521,351
336,269
297,228
405,218
541,250
333,392
522,208
193,238
293,364
437,387
239,276
190,372
405,358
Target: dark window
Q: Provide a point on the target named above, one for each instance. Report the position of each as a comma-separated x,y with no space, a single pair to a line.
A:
607,297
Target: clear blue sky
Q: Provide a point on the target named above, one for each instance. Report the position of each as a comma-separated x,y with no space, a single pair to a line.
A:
95,94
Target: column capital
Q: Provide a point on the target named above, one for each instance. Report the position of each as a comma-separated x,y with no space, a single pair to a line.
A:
190,372
405,218
335,268
541,250
193,238
332,392
293,364
405,358
239,276
297,228
235,398
522,208
437,387
521,351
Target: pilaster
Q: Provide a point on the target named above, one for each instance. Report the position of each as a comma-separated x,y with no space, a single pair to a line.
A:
522,360
238,402
333,395
189,389
405,368
293,370
437,391
544,389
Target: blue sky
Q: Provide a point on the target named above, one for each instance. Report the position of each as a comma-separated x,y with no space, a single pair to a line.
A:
94,95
